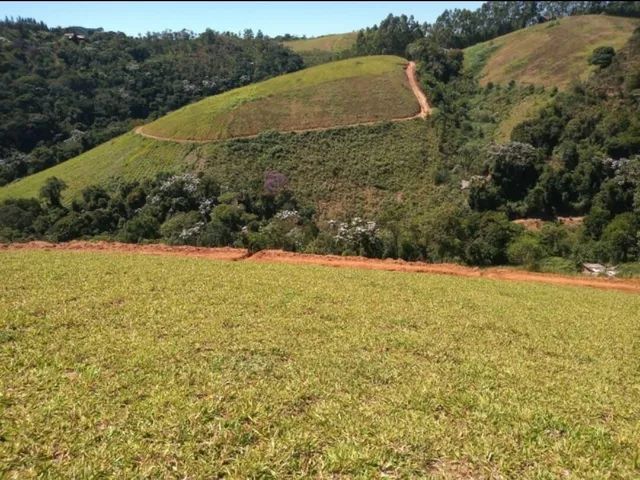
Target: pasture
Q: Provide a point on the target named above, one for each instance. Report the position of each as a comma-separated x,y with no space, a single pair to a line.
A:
125,365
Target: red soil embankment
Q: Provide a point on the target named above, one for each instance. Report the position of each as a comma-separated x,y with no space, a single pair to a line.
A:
278,256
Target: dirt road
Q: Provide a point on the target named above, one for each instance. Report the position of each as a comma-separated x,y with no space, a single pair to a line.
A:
278,256
413,83
425,109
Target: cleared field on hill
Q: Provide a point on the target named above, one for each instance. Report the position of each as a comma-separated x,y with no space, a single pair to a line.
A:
550,54
164,366
334,43
339,93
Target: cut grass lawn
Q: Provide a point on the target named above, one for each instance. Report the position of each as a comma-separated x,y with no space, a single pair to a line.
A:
550,54
335,94
174,367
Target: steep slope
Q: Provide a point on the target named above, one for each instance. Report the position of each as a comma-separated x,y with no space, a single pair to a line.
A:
354,170
551,54
341,93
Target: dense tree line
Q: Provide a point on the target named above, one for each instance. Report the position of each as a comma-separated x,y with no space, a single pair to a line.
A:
461,28
579,157
193,209
62,96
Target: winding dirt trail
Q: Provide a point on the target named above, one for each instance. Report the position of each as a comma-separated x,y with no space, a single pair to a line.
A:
279,256
412,78
425,109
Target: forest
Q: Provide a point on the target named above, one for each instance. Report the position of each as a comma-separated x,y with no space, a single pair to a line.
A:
63,96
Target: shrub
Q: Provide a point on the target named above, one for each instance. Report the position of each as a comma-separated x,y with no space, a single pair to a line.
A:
487,236
182,228
51,191
141,227
602,56
68,227
526,250
620,238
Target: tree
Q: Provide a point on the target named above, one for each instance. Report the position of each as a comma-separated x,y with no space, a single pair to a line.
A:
620,238
51,191
526,250
602,56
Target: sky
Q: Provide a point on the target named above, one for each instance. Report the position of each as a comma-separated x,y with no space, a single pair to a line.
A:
273,18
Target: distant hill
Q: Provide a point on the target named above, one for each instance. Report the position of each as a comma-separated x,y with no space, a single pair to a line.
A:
340,93
322,49
552,54
411,165
61,96
334,43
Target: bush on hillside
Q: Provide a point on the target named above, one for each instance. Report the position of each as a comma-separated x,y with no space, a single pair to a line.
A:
602,56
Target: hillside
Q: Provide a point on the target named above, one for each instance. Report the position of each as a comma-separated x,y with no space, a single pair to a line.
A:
60,97
346,92
251,370
325,48
437,190
354,169
551,54
334,43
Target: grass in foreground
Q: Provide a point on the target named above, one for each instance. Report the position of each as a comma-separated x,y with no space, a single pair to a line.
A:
338,93
170,367
552,54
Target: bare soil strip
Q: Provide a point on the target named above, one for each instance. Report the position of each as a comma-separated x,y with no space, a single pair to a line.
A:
425,109
278,256
413,83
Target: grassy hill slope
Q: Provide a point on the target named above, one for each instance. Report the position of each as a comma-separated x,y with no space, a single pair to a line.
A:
552,54
130,157
263,370
339,93
334,43
322,49
354,169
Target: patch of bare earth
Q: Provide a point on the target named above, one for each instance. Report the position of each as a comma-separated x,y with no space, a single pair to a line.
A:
279,256
535,224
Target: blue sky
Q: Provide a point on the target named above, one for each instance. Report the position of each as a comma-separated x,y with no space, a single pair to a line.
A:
273,18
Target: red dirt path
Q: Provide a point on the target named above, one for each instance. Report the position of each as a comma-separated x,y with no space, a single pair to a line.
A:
278,256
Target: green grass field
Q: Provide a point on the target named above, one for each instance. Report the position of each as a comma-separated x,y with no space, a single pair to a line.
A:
334,43
125,366
339,93
549,54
